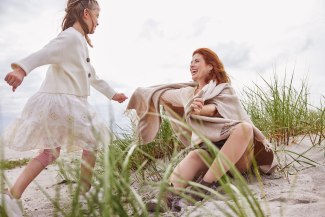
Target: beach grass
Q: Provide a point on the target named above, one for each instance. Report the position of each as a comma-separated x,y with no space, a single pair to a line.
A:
279,109
11,164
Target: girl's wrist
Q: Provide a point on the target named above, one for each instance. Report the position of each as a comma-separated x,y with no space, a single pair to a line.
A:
21,71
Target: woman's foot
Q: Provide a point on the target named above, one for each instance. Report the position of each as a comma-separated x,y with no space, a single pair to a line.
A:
171,201
198,193
84,187
11,206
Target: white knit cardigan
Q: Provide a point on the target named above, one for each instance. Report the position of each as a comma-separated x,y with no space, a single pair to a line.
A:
70,71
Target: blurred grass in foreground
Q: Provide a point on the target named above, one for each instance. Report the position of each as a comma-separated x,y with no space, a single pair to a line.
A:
127,175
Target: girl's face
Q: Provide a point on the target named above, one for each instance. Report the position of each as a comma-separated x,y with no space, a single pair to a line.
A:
91,18
199,69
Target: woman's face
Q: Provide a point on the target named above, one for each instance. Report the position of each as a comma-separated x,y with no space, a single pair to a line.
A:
199,69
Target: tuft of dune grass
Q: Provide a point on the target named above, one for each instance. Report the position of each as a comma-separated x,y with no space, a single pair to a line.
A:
11,164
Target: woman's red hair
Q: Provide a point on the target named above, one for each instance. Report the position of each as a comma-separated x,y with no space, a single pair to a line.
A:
218,72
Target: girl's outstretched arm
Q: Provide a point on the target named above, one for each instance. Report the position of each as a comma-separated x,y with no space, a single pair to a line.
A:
15,78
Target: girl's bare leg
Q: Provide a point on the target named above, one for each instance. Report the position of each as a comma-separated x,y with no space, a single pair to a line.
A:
188,168
236,150
87,166
32,170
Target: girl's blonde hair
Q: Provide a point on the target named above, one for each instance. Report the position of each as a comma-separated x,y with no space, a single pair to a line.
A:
74,13
218,72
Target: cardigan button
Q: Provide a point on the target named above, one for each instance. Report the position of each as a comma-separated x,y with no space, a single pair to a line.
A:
88,59
89,75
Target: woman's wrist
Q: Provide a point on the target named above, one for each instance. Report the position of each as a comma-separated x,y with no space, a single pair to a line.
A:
208,110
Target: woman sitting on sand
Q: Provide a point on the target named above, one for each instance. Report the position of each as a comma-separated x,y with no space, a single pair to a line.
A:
212,109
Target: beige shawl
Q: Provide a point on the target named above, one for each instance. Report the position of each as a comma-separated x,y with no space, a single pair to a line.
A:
146,102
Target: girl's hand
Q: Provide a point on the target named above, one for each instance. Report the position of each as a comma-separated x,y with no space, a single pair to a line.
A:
197,106
119,97
15,78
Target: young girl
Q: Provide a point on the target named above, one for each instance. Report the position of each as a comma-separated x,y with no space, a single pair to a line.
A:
58,115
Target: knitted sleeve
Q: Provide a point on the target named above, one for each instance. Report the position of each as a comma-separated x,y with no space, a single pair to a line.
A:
101,85
54,52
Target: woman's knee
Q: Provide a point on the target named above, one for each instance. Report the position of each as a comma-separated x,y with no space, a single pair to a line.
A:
245,129
197,155
48,156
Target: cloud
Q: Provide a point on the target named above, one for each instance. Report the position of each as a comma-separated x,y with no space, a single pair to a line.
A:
7,6
200,25
151,29
21,8
306,44
233,54
171,66
17,11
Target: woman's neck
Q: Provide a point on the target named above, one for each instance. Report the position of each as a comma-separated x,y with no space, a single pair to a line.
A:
78,27
199,86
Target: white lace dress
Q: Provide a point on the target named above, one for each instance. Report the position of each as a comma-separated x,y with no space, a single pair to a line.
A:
56,120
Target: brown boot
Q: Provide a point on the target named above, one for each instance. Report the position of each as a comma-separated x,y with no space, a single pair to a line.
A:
196,193
171,201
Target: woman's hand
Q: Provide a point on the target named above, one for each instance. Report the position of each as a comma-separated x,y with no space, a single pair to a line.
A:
15,78
197,106
119,97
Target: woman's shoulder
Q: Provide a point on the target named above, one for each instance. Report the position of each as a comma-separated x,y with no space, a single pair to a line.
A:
226,88
188,89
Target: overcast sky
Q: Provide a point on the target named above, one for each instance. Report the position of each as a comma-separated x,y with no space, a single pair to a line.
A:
149,42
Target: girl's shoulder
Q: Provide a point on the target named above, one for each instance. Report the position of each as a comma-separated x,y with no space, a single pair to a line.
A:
69,38
71,33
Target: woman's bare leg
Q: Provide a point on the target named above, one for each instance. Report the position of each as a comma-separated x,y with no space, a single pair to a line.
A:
236,149
188,168
87,167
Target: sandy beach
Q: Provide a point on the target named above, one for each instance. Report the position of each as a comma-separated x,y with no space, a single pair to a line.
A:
298,195
301,193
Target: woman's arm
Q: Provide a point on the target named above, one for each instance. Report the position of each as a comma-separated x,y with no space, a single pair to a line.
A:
173,97
198,108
